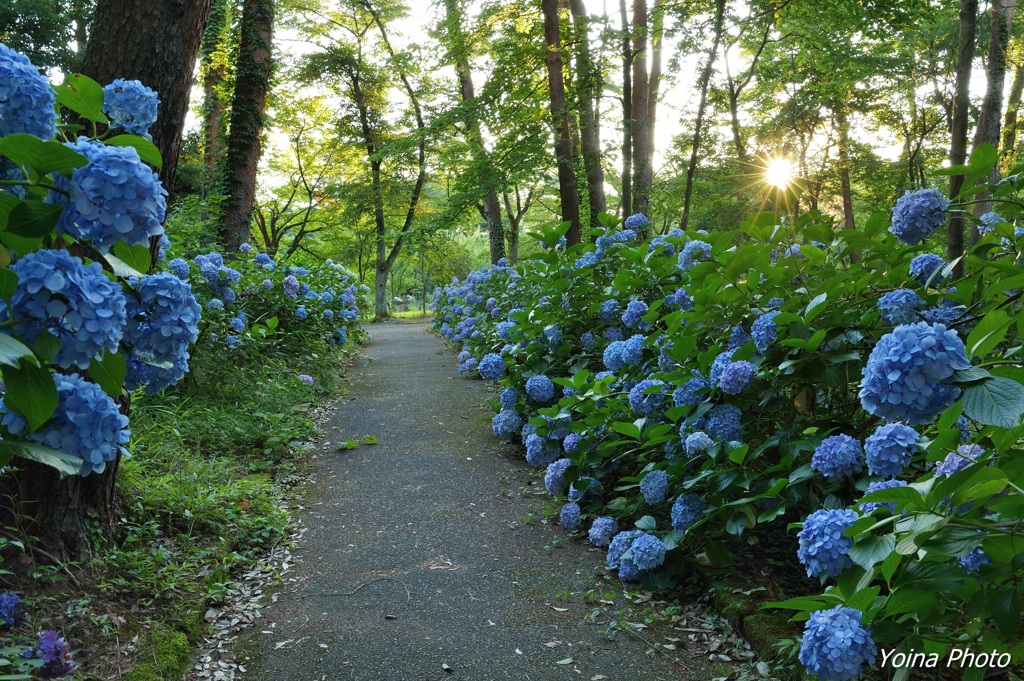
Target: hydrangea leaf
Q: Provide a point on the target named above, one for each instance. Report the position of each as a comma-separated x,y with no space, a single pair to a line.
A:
64,463
989,333
83,95
647,523
43,157
137,257
31,392
46,346
109,371
33,219
8,282
148,151
12,351
995,402
909,600
871,550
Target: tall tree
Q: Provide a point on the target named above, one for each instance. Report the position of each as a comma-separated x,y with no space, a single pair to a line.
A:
698,126
961,111
590,132
213,67
459,55
642,150
248,106
560,120
626,202
1009,131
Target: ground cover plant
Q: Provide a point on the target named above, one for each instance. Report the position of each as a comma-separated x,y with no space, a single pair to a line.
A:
693,385
223,358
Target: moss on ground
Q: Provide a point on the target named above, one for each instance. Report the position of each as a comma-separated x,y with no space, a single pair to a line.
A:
163,656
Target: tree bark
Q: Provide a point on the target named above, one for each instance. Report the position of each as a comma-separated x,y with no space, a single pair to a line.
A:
641,99
474,137
626,200
212,72
958,143
654,86
844,164
252,81
560,119
590,139
987,132
1010,121
705,79
156,43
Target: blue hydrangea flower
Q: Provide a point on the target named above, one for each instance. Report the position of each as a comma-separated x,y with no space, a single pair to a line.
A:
956,461
341,335
609,311
717,366
964,426
989,221
823,548
687,395
300,313
554,476
179,268
291,287
890,448
233,342
10,609
654,486
554,336
946,313
506,424
974,560
53,650
836,645
570,515
26,98
764,331
774,303
725,423
265,261
619,544
927,266
870,507
492,367
917,214
644,399
634,313
467,366
239,321
571,442
539,388
736,377
86,424
588,259
697,442
636,222
589,490
246,247
614,333
540,451
57,294
602,530
686,511
648,552
131,106
837,456
692,253
163,321
899,307
902,379
737,338
509,398
588,341
115,197
612,357
681,299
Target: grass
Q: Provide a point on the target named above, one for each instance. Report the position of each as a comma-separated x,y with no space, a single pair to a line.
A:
417,315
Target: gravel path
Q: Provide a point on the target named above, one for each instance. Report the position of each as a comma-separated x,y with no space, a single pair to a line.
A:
418,562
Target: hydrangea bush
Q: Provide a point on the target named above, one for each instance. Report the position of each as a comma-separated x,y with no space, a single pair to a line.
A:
772,376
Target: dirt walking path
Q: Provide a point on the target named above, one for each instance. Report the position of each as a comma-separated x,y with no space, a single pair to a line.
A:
419,563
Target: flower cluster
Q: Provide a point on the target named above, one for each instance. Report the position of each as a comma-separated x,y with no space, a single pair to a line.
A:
902,379
686,510
130,105
539,388
57,294
506,424
837,456
823,548
163,321
53,650
899,307
10,609
764,331
492,367
635,311
736,377
654,486
836,645
26,98
890,448
692,253
647,396
917,214
927,269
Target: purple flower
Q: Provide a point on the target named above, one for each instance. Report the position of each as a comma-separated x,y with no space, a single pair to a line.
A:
305,378
291,287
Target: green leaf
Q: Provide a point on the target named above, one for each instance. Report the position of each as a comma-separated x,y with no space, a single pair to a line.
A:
969,375
647,523
83,95
271,323
7,204
8,283
1005,606
148,151
628,429
33,219
31,392
64,463
815,307
995,402
864,598
46,346
13,351
137,257
871,550
368,440
909,600
109,372
42,157
989,333
983,158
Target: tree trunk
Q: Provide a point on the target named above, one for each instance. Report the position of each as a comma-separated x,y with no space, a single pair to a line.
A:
68,516
252,80
958,143
705,79
212,71
474,137
1010,122
590,139
641,92
627,115
987,132
654,85
155,42
844,164
560,119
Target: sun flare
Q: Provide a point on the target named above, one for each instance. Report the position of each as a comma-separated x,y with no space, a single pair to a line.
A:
779,172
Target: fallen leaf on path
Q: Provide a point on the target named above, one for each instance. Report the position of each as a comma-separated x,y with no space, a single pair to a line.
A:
567,660
598,677
553,644
518,652
559,609
447,668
